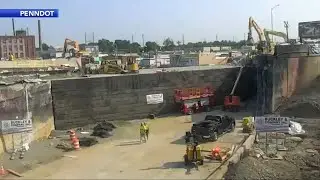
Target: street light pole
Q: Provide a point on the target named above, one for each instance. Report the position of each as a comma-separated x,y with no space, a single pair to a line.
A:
272,18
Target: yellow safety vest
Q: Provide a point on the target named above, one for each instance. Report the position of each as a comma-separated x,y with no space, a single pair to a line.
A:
142,129
146,127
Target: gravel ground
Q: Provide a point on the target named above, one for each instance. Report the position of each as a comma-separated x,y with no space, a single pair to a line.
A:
300,161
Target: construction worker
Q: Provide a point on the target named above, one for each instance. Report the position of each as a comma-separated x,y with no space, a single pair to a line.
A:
10,57
146,127
142,132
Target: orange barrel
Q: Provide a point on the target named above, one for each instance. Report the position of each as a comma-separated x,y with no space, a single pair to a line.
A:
72,134
76,144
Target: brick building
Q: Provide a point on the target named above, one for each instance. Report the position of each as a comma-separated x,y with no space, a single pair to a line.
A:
19,46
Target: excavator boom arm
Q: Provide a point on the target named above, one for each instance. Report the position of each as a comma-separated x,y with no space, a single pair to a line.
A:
275,33
253,24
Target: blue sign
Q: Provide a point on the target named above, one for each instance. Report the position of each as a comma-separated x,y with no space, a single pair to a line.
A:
29,13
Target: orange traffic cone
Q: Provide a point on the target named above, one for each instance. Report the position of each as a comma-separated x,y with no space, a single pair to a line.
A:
76,144
72,134
2,171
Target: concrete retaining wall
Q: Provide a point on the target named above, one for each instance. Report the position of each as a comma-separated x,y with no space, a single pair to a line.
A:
294,68
79,102
13,104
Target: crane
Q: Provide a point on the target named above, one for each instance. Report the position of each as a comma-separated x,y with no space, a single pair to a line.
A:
72,51
262,46
270,43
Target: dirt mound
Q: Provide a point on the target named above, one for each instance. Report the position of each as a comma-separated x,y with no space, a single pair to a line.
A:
87,142
252,168
305,104
300,161
103,129
302,110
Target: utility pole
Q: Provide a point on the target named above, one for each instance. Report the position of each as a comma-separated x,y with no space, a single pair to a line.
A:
271,12
286,25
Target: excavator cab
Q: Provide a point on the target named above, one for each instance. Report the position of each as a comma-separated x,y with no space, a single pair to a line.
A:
73,51
132,65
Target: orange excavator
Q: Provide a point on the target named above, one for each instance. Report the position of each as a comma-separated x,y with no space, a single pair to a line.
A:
71,47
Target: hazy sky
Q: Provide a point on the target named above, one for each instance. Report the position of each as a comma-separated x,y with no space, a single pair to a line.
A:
198,20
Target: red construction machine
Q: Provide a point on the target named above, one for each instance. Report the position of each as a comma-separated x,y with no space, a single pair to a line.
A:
194,100
231,102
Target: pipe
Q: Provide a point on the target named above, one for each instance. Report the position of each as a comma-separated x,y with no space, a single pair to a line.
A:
237,81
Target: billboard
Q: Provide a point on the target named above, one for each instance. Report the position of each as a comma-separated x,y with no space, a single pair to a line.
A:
309,29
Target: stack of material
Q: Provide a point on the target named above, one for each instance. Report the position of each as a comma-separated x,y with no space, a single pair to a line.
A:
87,141
103,129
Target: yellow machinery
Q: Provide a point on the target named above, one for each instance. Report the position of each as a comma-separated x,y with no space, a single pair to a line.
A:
111,67
193,154
262,46
73,51
133,66
270,43
248,124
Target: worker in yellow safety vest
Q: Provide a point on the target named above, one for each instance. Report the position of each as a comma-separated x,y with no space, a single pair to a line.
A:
11,57
146,127
142,133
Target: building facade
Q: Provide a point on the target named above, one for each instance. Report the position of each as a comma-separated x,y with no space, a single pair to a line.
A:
19,46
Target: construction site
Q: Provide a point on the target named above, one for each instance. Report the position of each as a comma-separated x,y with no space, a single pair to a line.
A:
78,118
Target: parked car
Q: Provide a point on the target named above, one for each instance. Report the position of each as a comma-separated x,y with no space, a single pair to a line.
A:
212,127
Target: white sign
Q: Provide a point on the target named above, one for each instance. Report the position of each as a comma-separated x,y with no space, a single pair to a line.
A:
15,126
272,124
154,98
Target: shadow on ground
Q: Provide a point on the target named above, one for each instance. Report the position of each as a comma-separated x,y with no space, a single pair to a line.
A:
130,143
175,165
179,141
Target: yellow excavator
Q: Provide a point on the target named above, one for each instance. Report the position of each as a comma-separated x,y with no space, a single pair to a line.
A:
270,43
262,45
132,65
71,47
265,45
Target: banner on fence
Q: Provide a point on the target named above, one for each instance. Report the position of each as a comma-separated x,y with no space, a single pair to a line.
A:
272,124
15,126
154,98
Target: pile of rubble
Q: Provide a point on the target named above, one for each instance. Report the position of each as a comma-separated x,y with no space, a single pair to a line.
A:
103,129
305,104
300,159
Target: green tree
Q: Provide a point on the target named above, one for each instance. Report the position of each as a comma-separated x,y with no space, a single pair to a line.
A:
122,45
135,47
45,47
105,46
151,46
168,44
